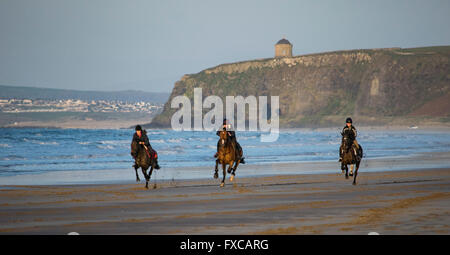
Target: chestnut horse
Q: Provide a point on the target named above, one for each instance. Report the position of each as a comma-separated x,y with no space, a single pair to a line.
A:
226,156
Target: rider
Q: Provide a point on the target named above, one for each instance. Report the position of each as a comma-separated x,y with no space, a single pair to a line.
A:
353,133
227,126
140,137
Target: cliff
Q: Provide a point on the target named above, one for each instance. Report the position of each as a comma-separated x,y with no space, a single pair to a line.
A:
375,86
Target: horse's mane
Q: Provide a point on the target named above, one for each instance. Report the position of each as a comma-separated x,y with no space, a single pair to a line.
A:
228,139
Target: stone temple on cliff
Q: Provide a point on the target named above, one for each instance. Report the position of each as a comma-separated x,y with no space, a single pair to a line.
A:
283,49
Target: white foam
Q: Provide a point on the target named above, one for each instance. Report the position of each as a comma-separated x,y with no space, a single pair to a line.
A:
175,140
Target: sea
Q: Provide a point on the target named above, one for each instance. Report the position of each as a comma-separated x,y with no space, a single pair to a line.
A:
27,155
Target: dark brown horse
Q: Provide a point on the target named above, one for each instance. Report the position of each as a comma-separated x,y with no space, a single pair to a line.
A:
349,158
226,156
145,159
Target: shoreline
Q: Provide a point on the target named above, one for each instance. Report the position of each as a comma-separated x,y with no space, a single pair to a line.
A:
430,160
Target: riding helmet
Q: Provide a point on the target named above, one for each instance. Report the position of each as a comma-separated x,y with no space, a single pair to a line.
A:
348,120
138,127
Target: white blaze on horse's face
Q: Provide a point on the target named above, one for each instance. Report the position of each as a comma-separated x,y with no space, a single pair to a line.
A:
223,141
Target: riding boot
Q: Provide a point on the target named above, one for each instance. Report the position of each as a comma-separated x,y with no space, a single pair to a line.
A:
238,156
356,155
358,150
155,156
156,164
239,152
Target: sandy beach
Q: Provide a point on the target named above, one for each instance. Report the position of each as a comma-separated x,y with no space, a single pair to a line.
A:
400,202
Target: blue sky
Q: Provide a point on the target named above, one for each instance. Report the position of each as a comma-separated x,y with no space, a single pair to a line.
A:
148,45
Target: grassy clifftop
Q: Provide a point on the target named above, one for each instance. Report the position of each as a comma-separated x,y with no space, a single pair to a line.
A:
374,86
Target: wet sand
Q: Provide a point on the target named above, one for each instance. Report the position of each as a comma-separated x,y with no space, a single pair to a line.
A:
400,202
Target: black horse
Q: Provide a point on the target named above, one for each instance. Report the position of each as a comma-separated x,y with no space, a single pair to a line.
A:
348,156
145,159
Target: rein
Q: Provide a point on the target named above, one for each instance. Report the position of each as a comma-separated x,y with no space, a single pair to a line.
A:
148,153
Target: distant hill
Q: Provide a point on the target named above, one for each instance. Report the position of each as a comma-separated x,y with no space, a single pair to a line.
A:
374,86
7,92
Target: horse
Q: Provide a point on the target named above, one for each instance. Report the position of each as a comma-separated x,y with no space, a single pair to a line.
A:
226,156
348,157
144,160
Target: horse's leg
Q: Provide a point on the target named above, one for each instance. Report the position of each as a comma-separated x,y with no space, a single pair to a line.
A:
346,171
216,170
234,169
137,176
224,174
150,174
230,167
356,172
351,169
147,178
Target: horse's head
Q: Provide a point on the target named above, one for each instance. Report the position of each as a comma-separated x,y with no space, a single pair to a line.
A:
223,138
346,141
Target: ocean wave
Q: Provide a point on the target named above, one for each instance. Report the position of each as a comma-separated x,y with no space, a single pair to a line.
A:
105,147
176,140
166,152
156,133
46,143
79,156
115,142
200,139
4,145
40,142
248,137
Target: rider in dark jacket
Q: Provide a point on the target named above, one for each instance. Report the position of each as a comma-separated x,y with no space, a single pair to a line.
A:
140,137
349,128
227,126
